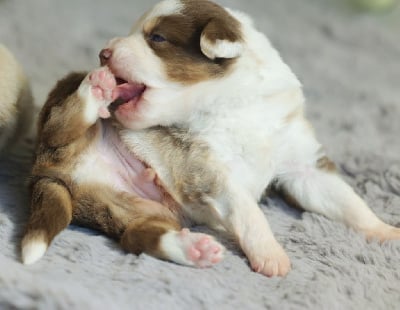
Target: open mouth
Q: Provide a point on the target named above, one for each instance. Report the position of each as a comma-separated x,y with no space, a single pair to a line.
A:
128,94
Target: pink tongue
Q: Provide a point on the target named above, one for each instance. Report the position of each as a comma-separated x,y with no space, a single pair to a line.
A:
128,91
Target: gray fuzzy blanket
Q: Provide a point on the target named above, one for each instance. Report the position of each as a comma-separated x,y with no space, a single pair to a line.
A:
349,63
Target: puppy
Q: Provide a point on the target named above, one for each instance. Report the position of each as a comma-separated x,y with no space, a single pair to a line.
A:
208,71
16,104
208,104
84,174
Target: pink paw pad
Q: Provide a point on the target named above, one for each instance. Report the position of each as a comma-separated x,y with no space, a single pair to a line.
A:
201,249
103,84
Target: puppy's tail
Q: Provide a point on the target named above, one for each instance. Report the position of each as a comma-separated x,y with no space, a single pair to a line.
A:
51,212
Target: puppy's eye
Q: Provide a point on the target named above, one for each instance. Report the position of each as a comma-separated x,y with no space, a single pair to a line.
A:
157,38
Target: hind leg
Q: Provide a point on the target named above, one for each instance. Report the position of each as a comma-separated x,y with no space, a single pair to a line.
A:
314,185
51,212
165,239
145,226
327,194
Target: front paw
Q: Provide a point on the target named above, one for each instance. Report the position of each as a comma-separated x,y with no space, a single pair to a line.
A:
272,261
98,90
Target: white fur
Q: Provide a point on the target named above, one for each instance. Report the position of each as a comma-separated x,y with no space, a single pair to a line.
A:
220,48
91,108
92,168
243,117
33,250
164,8
99,163
171,245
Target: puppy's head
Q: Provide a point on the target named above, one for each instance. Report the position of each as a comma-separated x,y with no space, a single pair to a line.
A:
175,45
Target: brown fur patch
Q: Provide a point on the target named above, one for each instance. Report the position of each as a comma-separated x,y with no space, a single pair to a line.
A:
144,234
62,132
51,209
181,53
102,208
138,223
193,174
324,163
61,118
224,26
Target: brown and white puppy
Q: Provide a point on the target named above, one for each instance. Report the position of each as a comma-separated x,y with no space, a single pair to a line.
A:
84,174
233,122
208,70
16,104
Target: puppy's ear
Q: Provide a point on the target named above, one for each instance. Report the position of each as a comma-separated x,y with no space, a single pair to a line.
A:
222,38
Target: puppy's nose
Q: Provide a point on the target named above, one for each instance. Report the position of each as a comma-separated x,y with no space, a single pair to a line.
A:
105,55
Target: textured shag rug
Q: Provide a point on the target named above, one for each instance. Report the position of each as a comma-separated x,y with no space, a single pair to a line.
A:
349,63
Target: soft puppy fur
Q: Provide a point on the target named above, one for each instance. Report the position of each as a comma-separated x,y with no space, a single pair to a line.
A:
209,105
16,104
85,175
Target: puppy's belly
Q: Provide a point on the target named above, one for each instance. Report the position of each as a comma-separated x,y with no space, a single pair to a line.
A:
107,161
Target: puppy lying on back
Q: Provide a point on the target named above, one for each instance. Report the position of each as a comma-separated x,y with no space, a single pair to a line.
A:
234,124
16,104
84,174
